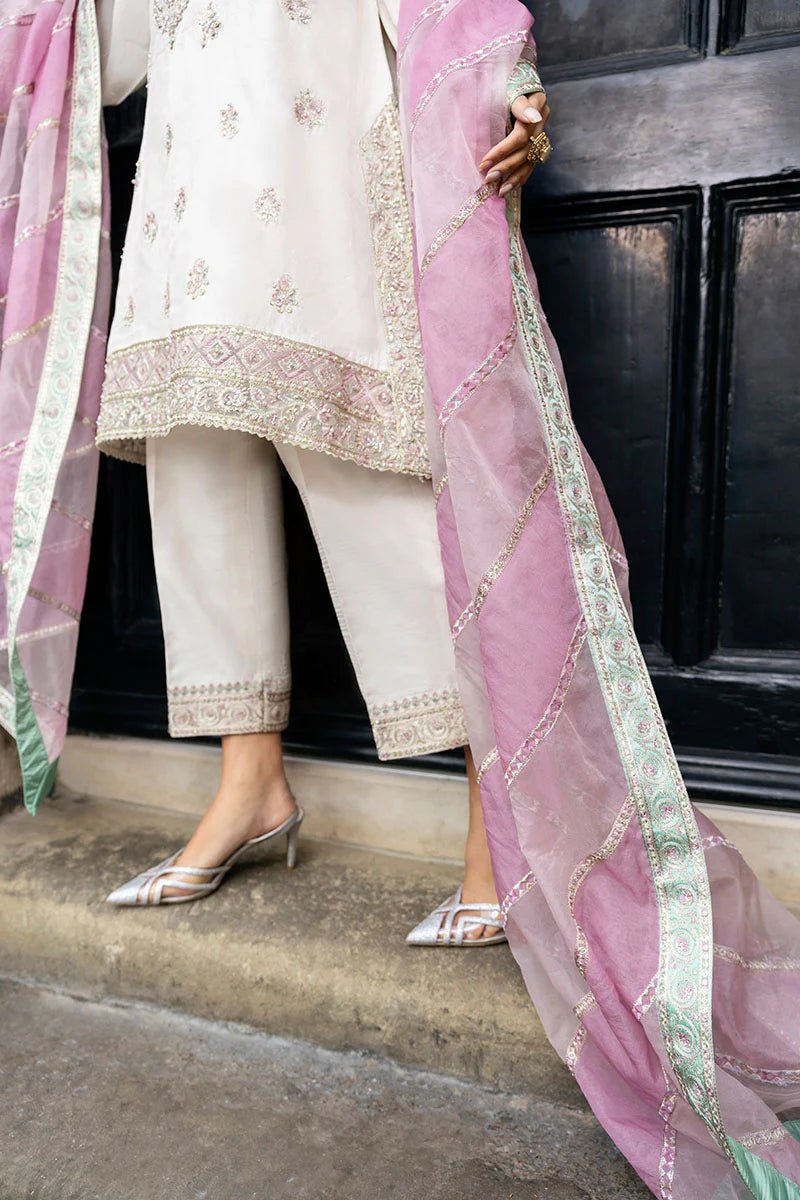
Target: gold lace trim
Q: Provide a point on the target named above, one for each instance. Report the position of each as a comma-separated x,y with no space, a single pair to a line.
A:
393,249
470,206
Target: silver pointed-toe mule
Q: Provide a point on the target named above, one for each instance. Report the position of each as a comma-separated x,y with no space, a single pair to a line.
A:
197,882
449,924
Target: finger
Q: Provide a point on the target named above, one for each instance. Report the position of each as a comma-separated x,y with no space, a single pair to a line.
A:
516,180
531,112
529,108
507,165
514,141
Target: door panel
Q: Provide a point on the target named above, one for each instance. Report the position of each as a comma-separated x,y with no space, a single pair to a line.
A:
759,390
590,36
665,231
626,261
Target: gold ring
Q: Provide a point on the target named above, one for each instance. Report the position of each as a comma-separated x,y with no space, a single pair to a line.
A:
540,148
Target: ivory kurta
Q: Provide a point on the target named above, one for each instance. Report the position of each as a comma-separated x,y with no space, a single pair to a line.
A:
267,289
266,282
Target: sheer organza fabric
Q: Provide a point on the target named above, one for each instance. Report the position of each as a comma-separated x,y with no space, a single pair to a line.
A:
54,283
666,976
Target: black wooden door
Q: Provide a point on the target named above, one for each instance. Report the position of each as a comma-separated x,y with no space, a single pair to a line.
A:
666,234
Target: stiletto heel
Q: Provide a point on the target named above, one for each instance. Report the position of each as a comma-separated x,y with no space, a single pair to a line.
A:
193,883
291,845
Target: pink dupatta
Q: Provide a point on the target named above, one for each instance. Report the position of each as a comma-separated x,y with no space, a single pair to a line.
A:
54,285
666,977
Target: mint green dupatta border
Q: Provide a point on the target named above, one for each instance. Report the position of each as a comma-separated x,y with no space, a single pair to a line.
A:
59,386
666,818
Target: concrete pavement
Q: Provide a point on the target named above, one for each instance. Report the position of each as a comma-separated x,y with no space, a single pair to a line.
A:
114,1102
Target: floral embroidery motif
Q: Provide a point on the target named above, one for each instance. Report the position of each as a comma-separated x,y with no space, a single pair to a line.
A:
197,281
168,15
180,203
284,295
130,312
268,206
150,227
251,706
168,139
232,377
308,110
422,724
229,121
297,10
210,25
167,300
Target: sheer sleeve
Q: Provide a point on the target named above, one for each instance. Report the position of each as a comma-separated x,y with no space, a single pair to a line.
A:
124,29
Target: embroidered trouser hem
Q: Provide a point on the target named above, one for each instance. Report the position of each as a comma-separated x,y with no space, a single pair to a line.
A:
216,511
422,724
211,710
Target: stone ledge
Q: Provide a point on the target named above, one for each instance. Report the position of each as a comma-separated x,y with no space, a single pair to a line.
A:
404,811
317,953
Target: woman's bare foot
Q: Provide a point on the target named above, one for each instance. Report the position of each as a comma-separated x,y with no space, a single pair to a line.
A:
479,885
253,797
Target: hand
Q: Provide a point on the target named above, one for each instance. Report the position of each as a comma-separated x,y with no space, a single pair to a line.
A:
507,163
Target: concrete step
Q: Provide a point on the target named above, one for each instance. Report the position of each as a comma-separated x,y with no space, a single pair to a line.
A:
123,1102
317,953
402,810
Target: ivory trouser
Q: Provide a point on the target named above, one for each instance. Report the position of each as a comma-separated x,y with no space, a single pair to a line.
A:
216,510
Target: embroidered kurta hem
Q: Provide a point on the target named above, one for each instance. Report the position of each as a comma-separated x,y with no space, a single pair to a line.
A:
250,298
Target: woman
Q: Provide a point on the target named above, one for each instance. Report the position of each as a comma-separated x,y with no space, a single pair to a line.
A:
265,312
665,975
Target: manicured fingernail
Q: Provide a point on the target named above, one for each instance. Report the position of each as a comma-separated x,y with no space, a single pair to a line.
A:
505,189
532,116
494,175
